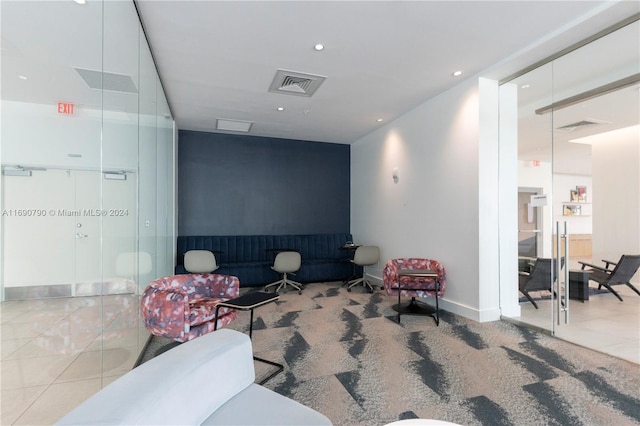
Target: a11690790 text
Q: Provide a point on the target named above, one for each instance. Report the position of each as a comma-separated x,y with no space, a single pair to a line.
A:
65,212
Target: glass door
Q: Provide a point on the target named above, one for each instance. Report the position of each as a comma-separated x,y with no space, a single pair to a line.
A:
537,295
597,182
38,233
578,144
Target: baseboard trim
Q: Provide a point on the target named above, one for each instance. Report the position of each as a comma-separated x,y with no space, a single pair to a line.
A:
106,288
455,308
37,292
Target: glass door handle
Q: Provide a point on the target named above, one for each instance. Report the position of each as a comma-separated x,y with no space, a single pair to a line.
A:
560,261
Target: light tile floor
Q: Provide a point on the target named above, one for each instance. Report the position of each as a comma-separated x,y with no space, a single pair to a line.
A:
56,353
602,323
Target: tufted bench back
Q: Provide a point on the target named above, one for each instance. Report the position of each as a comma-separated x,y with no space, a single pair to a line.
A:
249,257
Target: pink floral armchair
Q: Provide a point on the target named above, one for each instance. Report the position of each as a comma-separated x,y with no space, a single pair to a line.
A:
183,307
415,286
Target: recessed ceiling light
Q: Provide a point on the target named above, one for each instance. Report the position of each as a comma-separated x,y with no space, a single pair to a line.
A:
22,77
379,120
525,86
457,73
80,1
280,108
319,47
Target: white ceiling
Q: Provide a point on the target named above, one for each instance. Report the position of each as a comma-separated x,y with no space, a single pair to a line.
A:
217,58
381,59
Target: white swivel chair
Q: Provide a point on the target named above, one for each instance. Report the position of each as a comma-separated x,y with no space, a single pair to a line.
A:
200,262
365,256
286,262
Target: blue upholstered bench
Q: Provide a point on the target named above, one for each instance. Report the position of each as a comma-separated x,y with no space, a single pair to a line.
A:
250,257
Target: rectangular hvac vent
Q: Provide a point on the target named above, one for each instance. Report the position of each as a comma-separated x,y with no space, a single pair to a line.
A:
108,81
295,83
579,124
233,125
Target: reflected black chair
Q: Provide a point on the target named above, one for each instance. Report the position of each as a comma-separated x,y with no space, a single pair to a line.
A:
541,277
622,272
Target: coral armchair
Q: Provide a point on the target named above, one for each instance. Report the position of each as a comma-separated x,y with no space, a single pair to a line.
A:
415,285
182,307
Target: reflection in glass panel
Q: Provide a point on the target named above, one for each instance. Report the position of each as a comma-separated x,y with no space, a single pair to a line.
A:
585,156
74,109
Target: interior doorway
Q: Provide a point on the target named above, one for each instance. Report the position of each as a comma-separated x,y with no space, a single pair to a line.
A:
529,224
64,230
578,138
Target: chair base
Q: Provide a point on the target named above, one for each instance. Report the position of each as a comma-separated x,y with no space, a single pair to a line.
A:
283,283
615,293
365,283
415,307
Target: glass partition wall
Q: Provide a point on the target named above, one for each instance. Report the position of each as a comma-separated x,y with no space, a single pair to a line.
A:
87,193
578,137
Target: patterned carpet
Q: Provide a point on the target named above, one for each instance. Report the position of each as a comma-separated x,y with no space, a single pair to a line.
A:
346,356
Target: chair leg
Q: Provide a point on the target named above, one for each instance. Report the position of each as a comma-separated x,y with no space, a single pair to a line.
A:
368,285
615,293
365,283
437,317
283,283
526,294
294,284
277,283
353,283
633,288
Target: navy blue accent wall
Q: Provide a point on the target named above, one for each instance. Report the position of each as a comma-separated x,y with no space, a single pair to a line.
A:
247,185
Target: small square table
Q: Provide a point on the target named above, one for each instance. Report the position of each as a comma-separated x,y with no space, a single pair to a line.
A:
414,307
248,302
578,284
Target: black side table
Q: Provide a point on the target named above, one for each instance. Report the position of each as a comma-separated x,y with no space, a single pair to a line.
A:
415,307
249,302
578,284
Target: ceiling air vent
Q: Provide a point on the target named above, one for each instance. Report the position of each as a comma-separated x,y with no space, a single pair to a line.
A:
233,125
295,83
581,124
108,81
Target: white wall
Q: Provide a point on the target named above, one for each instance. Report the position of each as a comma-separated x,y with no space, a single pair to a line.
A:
562,186
540,177
616,200
61,141
109,131
508,202
433,209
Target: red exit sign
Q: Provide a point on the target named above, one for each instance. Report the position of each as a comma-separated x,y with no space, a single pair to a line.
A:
66,108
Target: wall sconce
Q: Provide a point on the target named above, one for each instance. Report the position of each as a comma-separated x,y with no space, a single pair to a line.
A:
395,175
